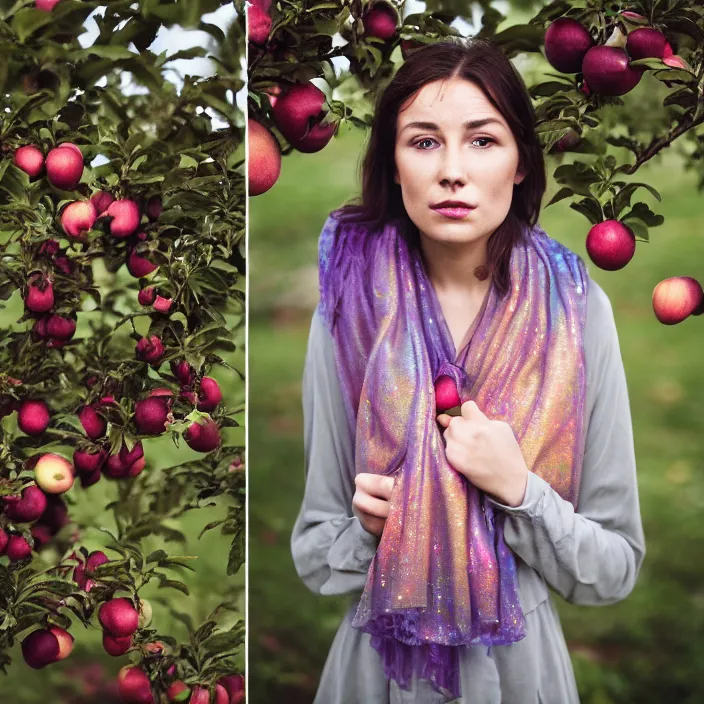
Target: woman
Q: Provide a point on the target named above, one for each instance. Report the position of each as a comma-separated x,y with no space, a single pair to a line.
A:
453,528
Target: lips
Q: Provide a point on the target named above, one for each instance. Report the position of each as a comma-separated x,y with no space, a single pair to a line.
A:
452,204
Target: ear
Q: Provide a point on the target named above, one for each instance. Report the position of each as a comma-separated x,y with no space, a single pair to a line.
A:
519,177
396,179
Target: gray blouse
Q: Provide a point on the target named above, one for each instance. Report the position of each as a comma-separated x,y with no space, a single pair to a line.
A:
591,556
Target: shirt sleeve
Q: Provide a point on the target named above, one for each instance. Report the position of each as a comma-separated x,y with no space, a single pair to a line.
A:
591,556
330,548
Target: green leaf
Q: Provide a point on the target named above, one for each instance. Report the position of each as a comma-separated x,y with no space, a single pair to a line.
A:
563,193
29,20
640,211
107,51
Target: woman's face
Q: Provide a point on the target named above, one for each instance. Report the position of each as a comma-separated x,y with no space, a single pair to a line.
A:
447,159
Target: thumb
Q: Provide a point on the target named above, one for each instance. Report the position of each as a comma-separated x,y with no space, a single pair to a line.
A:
471,411
444,419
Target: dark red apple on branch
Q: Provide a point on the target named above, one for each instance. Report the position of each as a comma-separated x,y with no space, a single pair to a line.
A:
264,165
646,42
608,71
151,415
101,202
611,245
125,218
18,548
46,5
380,20
93,423
258,25
566,44
33,417
26,508
298,113
139,265
119,617
64,167
150,349
40,293
78,217
116,646
677,298
134,686
30,159
209,394
203,438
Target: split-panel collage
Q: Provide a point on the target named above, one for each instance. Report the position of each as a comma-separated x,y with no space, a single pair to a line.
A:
350,351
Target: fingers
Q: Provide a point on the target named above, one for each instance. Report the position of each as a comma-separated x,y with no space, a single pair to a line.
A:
375,484
370,504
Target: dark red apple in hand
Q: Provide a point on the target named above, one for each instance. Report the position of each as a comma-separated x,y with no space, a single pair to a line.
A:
608,71
677,298
64,167
30,159
646,42
264,166
446,395
566,44
380,19
298,113
611,245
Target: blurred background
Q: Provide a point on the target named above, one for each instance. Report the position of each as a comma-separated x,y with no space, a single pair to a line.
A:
647,648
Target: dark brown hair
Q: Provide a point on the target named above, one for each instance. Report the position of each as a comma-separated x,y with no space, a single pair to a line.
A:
483,63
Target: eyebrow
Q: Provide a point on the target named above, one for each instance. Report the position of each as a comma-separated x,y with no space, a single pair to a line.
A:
469,125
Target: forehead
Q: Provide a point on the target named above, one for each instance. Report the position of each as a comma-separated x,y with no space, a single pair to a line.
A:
447,102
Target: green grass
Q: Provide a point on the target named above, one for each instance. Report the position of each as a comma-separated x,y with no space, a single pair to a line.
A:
645,649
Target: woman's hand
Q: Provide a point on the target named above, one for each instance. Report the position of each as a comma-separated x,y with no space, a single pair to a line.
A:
486,452
370,502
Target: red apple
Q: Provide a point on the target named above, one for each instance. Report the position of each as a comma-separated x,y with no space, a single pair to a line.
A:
134,686
151,415
677,298
27,508
78,217
116,646
221,695
147,295
54,474
139,265
264,166
119,617
611,245
40,648
209,394
125,218
64,168
150,349
203,438
90,478
4,539
409,46
176,688
609,72
46,5
234,684
380,19
60,327
30,159
199,695
65,640
568,141
646,42
566,44
162,305
33,417
258,25
183,371
93,423
446,395
18,548
40,293
298,113
101,202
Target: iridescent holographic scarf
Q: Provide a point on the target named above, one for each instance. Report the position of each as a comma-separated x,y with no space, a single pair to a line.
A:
442,576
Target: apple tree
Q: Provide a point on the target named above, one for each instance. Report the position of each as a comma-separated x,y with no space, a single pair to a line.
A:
122,220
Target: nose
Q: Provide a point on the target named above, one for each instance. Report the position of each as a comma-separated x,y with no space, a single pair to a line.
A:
452,167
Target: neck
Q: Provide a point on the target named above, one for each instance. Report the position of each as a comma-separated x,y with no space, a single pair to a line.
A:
451,267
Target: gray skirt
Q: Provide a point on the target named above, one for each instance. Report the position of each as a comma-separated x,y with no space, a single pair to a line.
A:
536,670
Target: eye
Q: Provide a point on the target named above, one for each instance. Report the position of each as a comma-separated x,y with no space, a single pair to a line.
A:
489,140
